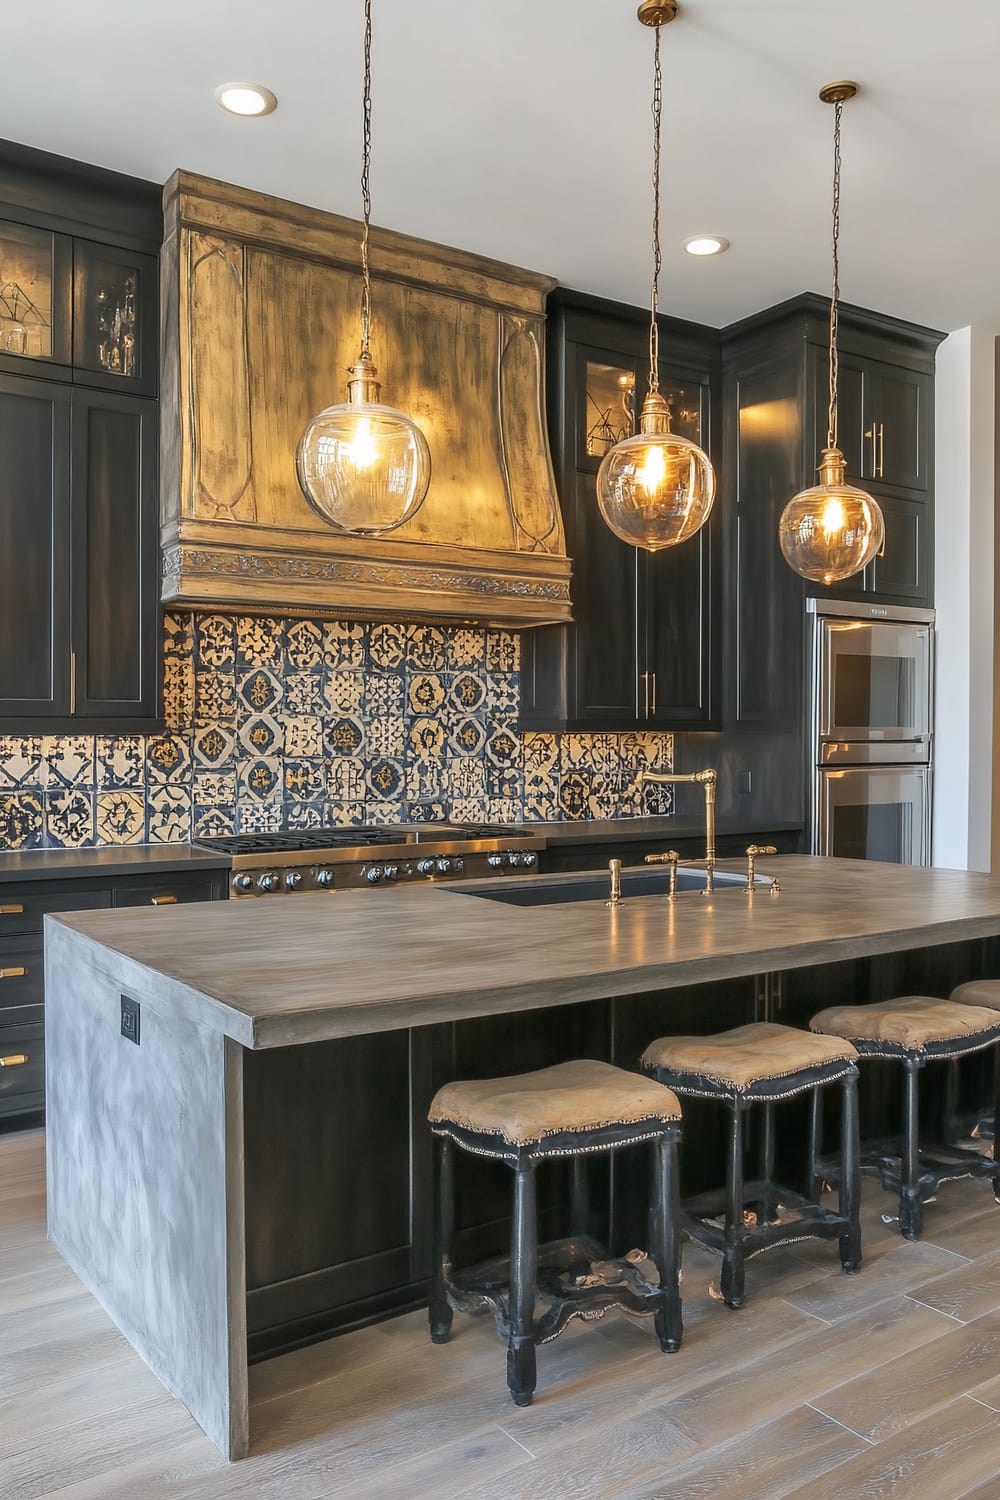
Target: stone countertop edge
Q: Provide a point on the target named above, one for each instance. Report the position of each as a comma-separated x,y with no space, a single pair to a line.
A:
635,830
444,961
115,859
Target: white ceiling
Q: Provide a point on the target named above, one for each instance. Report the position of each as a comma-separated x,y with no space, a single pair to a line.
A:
521,130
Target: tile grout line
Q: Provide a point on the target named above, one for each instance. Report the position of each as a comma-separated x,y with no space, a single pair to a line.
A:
979,1400
930,1308
513,1439
839,1423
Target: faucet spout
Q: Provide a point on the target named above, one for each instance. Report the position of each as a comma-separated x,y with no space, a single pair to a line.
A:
706,779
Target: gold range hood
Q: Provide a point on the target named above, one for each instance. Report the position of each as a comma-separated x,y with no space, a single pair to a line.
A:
260,301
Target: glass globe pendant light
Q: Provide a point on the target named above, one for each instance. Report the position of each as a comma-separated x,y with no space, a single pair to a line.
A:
365,467
832,531
656,488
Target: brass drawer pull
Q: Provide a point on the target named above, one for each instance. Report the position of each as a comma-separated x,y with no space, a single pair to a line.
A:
14,1060
11,909
13,973
163,901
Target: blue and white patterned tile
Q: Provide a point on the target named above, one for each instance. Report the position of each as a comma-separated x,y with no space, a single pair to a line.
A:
425,780
503,695
541,752
384,812
503,810
304,693
70,759
345,735
179,694
427,739
22,820
23,763
213,747
653,752
305,780
466,779
214,788
657,801
386,647
168,815
259,817
344,646
427,812
215,641
344,692
426,649
259,780
121,817
178,635
345,781
385,778
70,818
215,700
466,648
467,737
213,822
303,734
259,691
503,748
504,781
120,761
386,737
575,789
304,645
260,642
469,810
168,758
260,734
426,692
303,815
467,692
385,694
541,797
503,651
338,814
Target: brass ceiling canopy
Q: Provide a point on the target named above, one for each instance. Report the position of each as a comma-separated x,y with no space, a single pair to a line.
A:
657,12
838,93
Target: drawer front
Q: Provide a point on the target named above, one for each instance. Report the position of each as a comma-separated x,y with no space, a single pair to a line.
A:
22,1068
22,910
22,980
166,891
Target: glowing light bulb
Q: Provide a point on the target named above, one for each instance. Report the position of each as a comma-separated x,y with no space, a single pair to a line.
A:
653,471
361,450
834,518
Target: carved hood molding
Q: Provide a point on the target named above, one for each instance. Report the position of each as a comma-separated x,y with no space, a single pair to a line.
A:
260,304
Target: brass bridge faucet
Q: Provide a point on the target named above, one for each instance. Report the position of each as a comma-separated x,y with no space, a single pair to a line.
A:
706,779
673,859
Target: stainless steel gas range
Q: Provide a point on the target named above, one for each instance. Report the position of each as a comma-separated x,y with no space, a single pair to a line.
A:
338,859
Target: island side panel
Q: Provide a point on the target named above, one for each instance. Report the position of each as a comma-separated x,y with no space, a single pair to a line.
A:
145,1180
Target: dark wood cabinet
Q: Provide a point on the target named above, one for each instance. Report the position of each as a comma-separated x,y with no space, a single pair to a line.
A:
23,908
79,615
643,651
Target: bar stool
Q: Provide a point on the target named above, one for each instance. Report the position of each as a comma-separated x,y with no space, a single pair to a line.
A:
986,994
763,1063
569,1110
916,1030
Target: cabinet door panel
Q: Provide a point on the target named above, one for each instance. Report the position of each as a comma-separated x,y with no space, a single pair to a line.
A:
114,495
34,552
114,313
35,308
680,644
605,606
904,568
897,426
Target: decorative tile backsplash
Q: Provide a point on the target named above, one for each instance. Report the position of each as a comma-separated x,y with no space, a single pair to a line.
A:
304,723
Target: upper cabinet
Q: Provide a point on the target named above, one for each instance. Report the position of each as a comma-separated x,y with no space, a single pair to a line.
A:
79,619
643,649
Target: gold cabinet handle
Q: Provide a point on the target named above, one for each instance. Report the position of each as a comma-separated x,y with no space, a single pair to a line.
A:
11,909
644,679
13,973
14,1060
163,901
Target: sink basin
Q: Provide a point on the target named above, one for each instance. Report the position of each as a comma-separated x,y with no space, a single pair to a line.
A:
561,890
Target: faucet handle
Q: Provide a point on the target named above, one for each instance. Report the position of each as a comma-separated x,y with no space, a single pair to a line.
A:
670,858
615,872
753,852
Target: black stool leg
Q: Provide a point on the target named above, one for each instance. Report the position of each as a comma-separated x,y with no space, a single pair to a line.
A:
579,1196
911,1210
950,1126
766,1163
995,1179
814,1184
523,1277
667,1243
849,1201
733,1279
439,1312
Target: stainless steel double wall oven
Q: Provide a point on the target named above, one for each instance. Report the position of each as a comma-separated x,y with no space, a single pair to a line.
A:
870,739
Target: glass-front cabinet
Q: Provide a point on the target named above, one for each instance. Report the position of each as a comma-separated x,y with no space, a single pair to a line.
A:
612,393
113,292
35,305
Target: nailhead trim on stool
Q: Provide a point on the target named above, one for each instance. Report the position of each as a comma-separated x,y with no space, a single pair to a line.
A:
570,1110
764,1063
917,1029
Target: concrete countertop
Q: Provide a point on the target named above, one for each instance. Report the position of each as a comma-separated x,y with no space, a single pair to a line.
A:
132,859
271,973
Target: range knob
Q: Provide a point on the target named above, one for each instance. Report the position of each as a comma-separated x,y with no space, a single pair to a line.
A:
528,858
390,871
458,864
243,882
513,858
495,861
293,880
324,878
267,882
443,865
425,867
373,874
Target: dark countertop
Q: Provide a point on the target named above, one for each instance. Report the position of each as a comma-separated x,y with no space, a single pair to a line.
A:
131,859
635,830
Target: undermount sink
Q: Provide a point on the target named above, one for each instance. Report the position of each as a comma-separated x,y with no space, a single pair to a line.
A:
563,889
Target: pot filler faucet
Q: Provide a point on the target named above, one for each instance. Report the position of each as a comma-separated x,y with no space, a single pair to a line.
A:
708,780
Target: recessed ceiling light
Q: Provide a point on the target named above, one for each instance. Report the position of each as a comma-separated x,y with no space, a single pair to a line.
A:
245,98
706,244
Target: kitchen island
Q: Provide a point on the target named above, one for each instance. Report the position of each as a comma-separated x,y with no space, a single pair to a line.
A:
237,1151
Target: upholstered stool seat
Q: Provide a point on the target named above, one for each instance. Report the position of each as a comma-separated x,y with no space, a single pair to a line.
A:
916,1029
569,1110
764,1063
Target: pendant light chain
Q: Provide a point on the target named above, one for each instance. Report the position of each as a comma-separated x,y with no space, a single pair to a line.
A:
831,432
366,196
654,332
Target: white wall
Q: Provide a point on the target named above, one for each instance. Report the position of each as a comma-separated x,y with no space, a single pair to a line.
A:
965,394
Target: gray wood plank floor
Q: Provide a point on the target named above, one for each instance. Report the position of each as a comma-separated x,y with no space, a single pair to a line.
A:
883,1384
